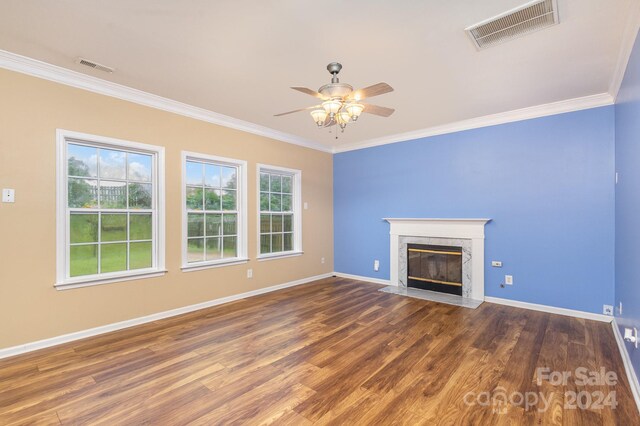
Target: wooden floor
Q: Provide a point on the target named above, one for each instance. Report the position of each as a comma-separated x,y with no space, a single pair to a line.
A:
332,352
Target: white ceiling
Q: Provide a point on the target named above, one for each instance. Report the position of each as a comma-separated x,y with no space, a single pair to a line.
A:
239,58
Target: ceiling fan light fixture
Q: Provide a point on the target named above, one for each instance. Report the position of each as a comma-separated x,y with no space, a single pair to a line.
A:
342,105
343,118
354,110
332,106
319,116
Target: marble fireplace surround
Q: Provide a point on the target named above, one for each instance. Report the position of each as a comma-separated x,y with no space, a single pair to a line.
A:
465,233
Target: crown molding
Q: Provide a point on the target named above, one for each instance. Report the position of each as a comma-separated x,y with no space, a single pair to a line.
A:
33,67
570,105
628,41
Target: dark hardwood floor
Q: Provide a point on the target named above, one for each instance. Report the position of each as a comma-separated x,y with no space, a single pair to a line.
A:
332,352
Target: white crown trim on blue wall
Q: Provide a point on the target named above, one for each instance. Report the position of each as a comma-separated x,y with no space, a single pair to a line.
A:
560,107
628,41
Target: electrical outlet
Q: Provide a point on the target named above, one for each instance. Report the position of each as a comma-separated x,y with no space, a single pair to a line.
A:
508,279
496,264
631,336
249,273
376,265
620,308
607,309
322,260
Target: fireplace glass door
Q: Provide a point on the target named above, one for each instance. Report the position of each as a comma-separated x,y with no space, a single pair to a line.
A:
435,268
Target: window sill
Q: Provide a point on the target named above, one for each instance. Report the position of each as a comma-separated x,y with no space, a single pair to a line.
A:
214,264
264,257
80,282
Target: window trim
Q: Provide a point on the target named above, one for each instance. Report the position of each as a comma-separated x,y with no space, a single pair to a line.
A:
297,212
242,212
63,281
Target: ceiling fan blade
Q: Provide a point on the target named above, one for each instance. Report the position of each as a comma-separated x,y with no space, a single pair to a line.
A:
371,91
297,110
309,92
378,110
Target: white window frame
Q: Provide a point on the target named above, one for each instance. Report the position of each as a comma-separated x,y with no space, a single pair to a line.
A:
63,280
297,211
241,199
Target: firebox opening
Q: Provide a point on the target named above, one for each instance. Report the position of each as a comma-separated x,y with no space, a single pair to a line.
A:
435,268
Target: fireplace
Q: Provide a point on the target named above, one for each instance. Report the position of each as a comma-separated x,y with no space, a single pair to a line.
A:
465,235
435,268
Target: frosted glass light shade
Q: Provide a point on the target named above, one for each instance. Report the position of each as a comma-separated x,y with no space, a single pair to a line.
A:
343,117
319,115
354,110
332,106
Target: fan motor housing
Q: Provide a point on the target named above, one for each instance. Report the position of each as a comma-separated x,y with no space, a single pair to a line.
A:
336,90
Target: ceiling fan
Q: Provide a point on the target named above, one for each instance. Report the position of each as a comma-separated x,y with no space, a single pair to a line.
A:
340,103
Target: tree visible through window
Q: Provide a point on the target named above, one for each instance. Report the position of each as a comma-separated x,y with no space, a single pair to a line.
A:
110,210
212,211
276,212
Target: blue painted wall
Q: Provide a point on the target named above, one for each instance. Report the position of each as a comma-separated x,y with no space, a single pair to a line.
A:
547,183
627,288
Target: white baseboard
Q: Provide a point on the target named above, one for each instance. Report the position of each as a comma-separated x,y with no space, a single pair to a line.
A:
628,366
41,344
500,301
549,309
363,278
514,303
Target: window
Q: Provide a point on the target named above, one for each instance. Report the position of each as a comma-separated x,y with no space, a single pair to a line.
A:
279,216
109,213
214,215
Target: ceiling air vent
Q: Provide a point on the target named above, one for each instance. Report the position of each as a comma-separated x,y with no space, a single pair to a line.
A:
94,65
514,23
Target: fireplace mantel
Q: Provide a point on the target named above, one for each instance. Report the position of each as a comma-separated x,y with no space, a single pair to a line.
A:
471,229
434,219
438,227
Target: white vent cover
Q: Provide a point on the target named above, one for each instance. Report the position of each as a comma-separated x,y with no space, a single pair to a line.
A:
95,65
514,23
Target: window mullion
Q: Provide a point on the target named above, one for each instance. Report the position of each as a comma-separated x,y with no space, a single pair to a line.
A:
128,251
99,239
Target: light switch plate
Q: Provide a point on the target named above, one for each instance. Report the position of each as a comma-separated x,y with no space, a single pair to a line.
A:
496,264
8,195
376,265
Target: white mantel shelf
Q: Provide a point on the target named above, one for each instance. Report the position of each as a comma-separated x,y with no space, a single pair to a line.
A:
455,228
434,219
437,220
438,227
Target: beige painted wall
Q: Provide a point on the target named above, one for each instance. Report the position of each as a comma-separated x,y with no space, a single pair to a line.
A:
31,309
